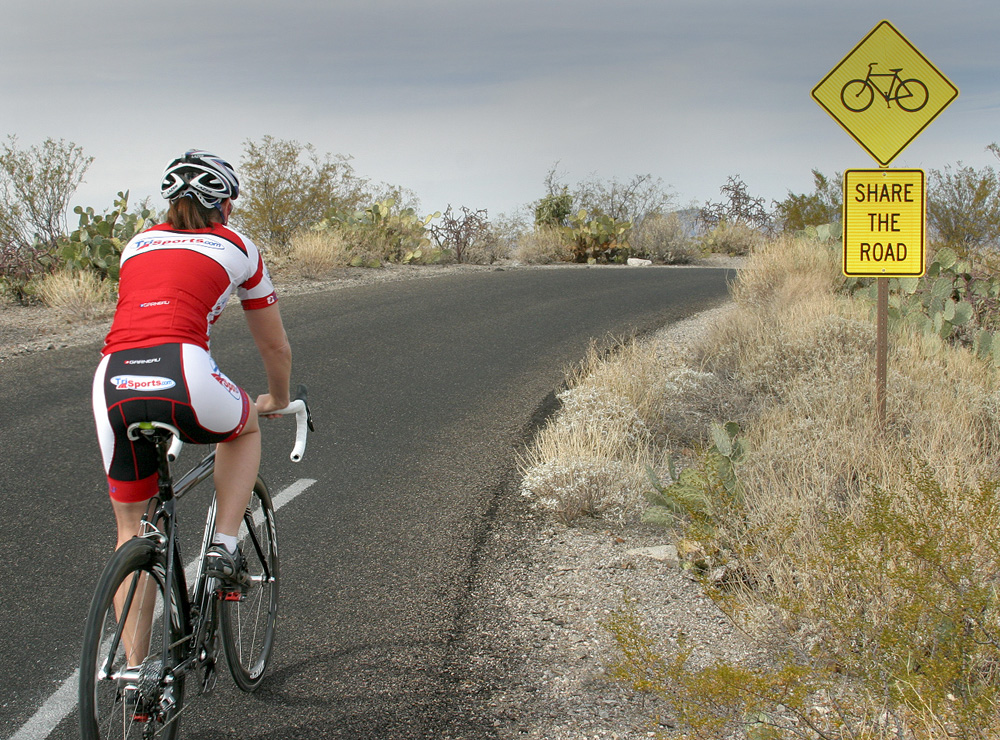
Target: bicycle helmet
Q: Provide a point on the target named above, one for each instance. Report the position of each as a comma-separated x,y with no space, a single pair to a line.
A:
202,175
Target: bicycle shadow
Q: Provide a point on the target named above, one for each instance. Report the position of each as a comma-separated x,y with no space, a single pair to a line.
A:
365,692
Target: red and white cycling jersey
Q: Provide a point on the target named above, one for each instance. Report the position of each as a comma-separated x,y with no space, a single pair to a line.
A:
174,284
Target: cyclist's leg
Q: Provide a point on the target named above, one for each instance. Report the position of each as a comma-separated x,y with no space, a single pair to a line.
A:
128,515
236,465
225,415
140,617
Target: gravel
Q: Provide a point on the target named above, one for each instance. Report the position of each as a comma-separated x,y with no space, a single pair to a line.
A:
532,653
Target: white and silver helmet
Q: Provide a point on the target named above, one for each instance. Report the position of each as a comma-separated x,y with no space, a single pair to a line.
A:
202,175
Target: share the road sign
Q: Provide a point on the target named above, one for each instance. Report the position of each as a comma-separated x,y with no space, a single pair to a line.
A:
884,93
884,223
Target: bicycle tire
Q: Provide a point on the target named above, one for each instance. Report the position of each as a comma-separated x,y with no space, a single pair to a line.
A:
854,91
103,712
247,626
916,95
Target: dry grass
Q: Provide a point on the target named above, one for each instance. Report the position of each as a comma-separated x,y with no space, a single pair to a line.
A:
543,245
315,253
591,459
80,294
865,543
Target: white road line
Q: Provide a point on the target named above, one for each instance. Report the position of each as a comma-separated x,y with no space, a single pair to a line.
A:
58,706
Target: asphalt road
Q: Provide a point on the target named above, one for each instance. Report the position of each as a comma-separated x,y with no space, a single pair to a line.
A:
423,393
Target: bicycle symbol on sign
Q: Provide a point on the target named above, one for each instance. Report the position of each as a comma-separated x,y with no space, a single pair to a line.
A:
910,95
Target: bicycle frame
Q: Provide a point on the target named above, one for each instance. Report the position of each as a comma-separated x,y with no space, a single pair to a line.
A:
161,526
893,84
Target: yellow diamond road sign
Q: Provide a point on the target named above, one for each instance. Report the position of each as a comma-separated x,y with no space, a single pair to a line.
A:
884,93
884,223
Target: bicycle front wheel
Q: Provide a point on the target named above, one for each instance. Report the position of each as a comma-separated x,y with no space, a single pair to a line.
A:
122,691
247,625
911,95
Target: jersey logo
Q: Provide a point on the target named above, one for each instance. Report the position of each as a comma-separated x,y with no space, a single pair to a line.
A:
142,383
226,383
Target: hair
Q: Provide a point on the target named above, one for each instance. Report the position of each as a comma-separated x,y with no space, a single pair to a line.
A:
188,214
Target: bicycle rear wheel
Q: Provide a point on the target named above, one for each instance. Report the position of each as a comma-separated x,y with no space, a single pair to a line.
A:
122,693
247,626
857,95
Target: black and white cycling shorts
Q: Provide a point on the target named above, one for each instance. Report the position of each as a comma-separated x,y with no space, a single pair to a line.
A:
177,384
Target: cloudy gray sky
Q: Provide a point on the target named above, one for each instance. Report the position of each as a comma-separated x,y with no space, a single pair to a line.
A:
472,102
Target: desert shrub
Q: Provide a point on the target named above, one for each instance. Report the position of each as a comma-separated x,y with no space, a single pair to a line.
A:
823,206
543,245
892,631
963,209
733,238
737,206
468,236
36,185
634,200
384,232
664,239
314,253
22,269
77,293
287,186
554,208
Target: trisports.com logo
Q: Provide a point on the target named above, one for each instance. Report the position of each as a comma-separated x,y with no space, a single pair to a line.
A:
142,383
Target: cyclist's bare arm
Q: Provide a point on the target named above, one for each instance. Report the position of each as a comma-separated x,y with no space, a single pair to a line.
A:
268,333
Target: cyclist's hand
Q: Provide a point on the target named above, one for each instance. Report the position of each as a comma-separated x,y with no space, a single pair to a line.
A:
266,404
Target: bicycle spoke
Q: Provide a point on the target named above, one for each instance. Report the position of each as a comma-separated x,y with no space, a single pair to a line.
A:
247,625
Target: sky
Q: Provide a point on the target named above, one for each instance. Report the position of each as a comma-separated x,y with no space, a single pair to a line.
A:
472,102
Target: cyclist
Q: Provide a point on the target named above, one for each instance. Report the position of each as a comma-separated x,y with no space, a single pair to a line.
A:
175,280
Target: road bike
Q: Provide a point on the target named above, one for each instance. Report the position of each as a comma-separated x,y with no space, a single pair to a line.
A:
858,95
148,636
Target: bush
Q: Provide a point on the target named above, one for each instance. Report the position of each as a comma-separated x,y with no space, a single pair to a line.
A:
543,245
36,185
635,200
738,206
664,239
384,233
736,239
287,186
21,269
78,293
468,236
963,210
823,206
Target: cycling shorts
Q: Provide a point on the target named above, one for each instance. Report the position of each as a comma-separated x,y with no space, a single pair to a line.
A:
178,384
